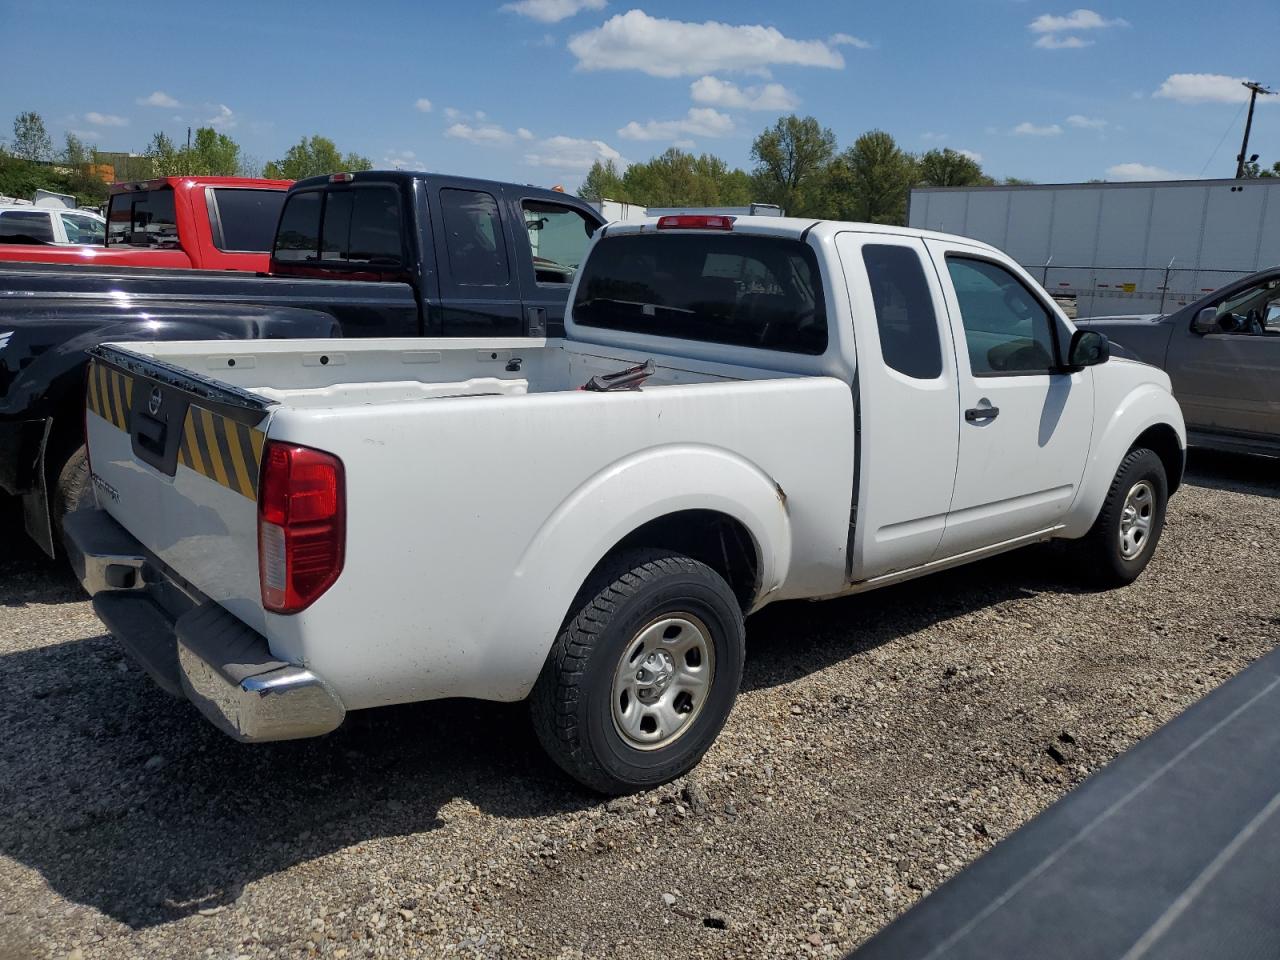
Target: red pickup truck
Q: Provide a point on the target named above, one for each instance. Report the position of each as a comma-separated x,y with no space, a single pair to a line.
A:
205,223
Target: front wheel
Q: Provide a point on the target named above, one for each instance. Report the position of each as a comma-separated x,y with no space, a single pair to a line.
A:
1123,538
644,673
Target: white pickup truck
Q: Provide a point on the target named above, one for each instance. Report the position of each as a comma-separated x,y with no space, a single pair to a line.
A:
289,530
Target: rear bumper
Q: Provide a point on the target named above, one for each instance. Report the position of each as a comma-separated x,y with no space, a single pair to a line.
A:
190,645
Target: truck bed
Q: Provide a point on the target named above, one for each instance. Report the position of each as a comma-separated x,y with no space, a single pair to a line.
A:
466,485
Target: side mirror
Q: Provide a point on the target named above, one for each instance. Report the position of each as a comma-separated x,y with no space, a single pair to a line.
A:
1088,349
1206,321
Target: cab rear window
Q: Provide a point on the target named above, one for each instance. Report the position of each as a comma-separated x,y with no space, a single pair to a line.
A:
725,288
358,225
142,218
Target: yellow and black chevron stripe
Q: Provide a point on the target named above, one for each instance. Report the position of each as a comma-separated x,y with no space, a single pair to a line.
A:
110,394
223,450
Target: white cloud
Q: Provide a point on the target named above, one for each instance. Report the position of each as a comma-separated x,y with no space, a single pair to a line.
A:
698,122
158,99
1075,20
973,155
1027,129
931,135
224,117
489,134
672,48
524,133
105,119
422,104
452,113
1049,27
570,154
1143,171
1050,42
1086,123
401,160
1205,88
722,93
552,11
848,40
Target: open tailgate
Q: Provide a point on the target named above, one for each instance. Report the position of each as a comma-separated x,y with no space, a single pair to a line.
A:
175,458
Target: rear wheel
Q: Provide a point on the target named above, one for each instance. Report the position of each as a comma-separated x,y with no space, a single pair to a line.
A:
70,490
1123,538
644,673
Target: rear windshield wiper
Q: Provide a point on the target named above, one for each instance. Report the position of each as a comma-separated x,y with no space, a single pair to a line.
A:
644,307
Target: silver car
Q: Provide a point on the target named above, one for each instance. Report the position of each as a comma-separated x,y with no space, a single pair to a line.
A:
1222,354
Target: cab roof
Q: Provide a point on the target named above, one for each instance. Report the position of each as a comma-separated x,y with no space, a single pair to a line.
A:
796,228
438,179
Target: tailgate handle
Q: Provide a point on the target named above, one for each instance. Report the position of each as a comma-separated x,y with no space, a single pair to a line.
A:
150,433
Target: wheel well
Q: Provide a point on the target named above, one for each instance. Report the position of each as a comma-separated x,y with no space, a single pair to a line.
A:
713,538
66,434
1162,440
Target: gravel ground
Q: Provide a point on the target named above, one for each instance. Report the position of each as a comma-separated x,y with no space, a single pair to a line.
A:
880,744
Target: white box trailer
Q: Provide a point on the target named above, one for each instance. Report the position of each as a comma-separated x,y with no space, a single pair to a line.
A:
1146,247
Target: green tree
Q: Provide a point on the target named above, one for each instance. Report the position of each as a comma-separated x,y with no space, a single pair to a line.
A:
950,168
75,154
791,159
1020,182
163,156
1254,170
871,180
312,156
212,154
602,182
30,138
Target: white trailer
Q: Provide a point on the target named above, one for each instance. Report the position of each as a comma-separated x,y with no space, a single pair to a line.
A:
1118,247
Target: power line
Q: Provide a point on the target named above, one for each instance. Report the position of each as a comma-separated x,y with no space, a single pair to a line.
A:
1222,139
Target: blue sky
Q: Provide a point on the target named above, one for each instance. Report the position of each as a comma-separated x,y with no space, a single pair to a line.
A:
534,90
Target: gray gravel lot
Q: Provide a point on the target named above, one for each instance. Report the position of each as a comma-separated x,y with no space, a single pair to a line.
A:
880,744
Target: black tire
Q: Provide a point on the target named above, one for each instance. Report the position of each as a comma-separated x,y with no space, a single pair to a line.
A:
71,489
572,703
1100,554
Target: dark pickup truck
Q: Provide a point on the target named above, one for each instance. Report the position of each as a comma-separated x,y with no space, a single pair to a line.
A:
387,254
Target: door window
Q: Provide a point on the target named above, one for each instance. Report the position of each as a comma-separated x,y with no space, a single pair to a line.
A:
1007,329
908,326
247,218
558,237
82,229
1255,311
473,237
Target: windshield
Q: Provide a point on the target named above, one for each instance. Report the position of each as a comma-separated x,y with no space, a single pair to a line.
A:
142,218
721,288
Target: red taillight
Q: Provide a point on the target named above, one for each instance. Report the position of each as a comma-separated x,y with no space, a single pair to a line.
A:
341,177
686,221
302,525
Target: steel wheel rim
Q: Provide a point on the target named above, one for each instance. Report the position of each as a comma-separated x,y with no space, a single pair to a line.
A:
662,681
1136,519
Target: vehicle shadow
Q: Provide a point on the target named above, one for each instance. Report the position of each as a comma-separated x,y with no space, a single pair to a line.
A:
792,639
27,574
1234,472
126,800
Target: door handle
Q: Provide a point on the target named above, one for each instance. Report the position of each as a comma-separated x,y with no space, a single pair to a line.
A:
981,414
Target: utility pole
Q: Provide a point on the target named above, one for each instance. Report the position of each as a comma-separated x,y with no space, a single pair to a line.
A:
1254,90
